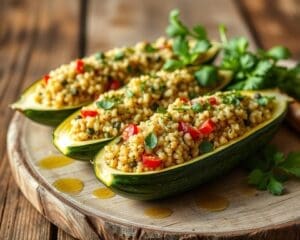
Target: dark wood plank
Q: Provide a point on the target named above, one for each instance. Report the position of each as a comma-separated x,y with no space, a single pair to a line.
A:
274,22
35,37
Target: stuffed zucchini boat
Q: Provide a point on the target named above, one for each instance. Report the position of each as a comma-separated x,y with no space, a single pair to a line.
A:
190,144
63,90
85,132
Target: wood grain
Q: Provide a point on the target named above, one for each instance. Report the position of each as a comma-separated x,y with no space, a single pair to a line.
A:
274,22
32,39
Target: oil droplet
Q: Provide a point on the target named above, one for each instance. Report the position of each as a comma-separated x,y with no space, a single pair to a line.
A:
103,193
54,161
212,202
248,190
69,185
158,212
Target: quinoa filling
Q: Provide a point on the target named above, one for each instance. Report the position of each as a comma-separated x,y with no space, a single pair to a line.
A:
85,79
186,130
137,101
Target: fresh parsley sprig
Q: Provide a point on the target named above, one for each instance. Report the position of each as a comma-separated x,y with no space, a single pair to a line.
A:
185,53
258,70
271,168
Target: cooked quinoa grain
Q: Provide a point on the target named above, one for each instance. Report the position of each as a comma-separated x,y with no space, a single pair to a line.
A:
137,101
187,130
85,79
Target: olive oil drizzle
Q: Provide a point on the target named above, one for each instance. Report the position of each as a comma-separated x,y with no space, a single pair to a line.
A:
158,212
54,161
212,202
69,185
103,193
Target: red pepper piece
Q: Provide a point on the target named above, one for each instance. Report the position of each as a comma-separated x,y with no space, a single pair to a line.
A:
207,127
184,99
129,131
88,113
151,161
187,128
79,66
46,78
114,85
213,101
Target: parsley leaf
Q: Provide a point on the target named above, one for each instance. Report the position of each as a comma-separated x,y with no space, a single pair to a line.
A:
207,76
106,104
206,147
151,140
271,168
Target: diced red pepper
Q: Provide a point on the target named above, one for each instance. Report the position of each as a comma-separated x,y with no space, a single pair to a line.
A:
88,113
46,78
151,161
184,99
213,101
114,85
79,66
129,131
207,127
187,128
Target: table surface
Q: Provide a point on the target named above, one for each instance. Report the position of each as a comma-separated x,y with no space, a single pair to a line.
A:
36,36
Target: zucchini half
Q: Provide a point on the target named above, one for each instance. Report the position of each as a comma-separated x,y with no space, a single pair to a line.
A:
45,115
86,150
183,177
54,116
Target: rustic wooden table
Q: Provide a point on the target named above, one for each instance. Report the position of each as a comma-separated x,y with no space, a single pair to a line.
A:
36,36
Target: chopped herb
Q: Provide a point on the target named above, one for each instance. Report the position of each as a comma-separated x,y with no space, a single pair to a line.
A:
129,93
129,69
149,48
161,110
206,147
90,131
183,108
117,125
151,141
119,56
88,68
234,99
264,100
100,56
192,95
106,104
197,107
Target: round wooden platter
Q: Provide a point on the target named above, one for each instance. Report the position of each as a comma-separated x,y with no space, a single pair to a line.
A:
250,215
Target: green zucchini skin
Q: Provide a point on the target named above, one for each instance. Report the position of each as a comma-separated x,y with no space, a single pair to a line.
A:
161,184
49,118
85,153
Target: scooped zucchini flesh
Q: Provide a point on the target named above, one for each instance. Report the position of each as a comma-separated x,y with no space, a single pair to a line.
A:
180,178
52,116
86,150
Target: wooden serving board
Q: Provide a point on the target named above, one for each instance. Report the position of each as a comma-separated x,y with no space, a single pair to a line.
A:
251,214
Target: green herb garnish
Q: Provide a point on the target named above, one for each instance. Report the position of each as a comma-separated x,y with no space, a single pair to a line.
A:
271,168
206,147
197,107
119,56
99,56
207,76
160,109
151,141
149,48
106,104
186,54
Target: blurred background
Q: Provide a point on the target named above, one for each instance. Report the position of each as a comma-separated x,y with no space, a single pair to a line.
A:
37,36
